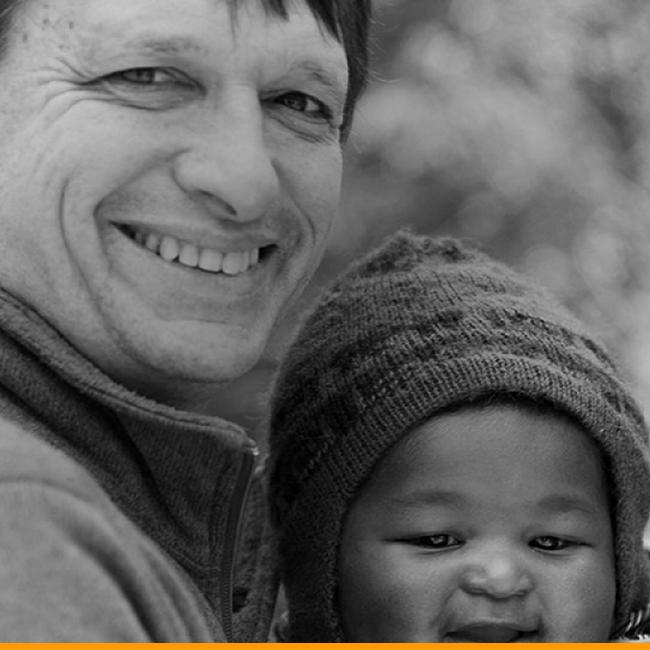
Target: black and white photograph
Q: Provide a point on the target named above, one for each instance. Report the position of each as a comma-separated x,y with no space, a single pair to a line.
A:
324,321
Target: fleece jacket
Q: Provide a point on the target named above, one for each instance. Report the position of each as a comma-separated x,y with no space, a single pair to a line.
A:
121,520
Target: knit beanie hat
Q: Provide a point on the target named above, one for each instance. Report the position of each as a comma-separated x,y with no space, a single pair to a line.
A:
418,326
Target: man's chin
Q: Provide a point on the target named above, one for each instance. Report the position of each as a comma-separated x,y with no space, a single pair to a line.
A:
214,367
174,371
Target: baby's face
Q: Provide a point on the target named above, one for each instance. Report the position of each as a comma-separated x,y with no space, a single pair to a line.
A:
485,525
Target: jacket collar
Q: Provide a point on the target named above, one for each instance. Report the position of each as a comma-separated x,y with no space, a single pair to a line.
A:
173,473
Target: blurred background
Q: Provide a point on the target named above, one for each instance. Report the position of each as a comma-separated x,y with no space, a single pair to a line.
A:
522,126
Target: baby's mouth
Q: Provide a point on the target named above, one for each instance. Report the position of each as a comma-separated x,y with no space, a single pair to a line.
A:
491,633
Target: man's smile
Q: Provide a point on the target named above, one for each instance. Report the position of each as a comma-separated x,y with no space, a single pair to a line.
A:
188,254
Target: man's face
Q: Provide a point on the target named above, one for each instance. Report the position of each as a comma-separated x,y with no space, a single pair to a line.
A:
169,174
481,526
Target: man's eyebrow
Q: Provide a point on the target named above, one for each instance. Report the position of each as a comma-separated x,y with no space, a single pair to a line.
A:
331,77
165,45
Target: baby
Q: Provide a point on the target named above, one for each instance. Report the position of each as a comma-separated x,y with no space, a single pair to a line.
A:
455,459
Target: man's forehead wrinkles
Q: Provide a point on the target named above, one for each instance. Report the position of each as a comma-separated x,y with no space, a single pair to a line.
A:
43,17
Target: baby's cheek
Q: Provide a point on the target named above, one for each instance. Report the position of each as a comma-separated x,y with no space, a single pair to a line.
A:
580,606
383,598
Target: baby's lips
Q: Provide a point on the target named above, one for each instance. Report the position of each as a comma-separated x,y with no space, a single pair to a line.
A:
490,633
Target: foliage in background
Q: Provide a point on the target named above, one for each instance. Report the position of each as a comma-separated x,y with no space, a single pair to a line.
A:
524,126
521,125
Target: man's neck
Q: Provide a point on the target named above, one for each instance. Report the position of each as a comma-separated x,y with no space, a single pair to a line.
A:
242,401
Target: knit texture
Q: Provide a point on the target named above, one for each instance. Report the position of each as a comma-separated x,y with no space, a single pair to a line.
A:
419,326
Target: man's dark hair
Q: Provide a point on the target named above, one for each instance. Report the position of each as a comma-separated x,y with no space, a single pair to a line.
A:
346,20
8,9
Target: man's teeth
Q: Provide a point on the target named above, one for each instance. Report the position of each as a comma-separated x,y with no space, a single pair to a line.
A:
206,259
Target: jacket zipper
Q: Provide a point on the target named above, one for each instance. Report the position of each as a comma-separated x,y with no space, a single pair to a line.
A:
233,534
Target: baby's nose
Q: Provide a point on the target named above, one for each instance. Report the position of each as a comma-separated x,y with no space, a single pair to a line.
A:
497,574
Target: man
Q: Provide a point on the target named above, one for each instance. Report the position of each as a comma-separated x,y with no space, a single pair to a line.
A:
169,172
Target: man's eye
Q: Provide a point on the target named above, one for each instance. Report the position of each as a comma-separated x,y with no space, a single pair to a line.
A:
302,103
436,542
551,543
145,76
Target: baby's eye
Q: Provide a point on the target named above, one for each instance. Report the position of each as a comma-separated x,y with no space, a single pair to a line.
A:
551,543
436,542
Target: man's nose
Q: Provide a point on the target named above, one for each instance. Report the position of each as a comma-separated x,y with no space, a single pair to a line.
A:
498,574
228,166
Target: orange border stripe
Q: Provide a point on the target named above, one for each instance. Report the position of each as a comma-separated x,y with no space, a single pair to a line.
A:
298,646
